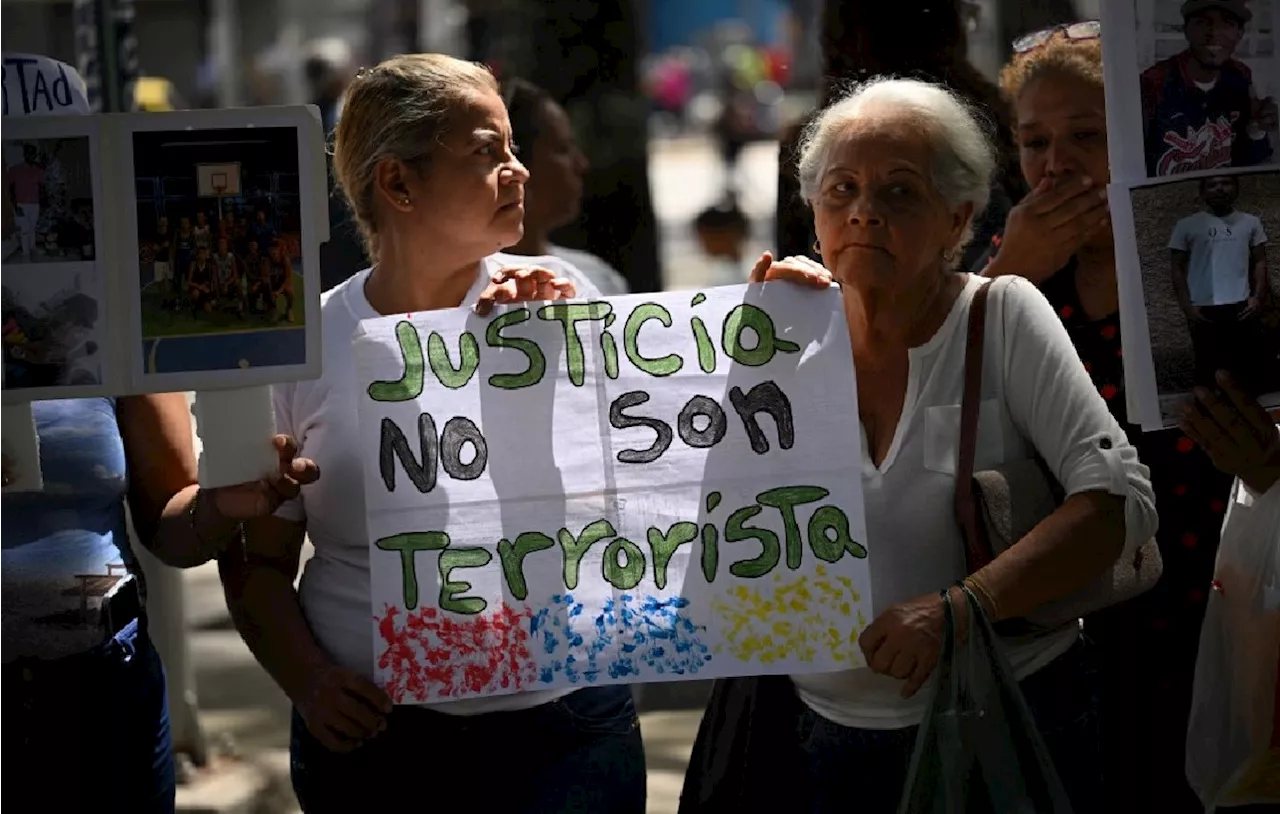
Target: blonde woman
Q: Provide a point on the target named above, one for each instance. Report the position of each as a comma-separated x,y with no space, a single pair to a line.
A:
423,153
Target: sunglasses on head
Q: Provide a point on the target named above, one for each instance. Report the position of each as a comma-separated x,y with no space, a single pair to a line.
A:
1088,30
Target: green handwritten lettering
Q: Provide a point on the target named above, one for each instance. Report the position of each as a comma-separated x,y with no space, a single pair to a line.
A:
453,558
736,531
785,499
827,548
661,366
747,316
537,362
468,359
408,545
574,548
623,576
409,386
569,315
512,557
663,546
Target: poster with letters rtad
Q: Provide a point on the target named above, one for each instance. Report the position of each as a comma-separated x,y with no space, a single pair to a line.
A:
645,488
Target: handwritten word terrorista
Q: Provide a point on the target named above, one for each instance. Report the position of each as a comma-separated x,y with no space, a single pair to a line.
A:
826,533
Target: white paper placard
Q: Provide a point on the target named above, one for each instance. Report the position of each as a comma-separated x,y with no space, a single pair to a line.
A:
620,502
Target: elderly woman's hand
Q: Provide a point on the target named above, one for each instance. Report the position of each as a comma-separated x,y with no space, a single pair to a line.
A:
799,270
905,641
524,284
1236,432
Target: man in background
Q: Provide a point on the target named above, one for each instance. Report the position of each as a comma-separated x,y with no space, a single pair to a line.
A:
1199,107
1219,264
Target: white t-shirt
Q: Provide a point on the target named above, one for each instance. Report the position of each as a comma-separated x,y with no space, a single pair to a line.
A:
321,415
1034,388
1218,266
602,275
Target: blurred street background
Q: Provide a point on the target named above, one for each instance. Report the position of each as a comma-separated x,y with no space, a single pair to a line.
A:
679,105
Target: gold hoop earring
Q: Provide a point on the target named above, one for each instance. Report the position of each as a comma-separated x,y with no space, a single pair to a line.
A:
949,256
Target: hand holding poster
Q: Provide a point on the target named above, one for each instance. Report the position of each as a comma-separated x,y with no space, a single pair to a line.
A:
647,488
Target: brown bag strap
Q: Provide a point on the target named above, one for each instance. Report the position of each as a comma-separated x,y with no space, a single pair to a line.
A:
977,547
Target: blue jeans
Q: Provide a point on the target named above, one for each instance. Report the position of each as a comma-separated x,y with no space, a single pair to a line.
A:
580,754
90,732
865,770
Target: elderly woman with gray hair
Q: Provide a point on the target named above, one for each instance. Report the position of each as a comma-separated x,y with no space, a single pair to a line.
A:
895,173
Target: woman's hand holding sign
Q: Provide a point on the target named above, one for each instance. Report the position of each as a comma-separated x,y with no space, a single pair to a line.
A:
342,708
246,501
802,271
524,284
217,519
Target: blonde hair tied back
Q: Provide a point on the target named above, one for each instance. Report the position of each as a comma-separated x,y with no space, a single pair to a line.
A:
399,109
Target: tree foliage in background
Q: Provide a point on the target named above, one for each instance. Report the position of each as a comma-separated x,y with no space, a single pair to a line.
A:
586,54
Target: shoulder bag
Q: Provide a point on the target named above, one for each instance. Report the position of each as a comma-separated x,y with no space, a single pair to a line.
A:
997,507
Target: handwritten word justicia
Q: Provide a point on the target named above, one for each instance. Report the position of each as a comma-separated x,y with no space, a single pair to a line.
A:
826,533
743,321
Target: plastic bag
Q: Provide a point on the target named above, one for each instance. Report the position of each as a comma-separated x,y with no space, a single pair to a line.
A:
978,748
1233,738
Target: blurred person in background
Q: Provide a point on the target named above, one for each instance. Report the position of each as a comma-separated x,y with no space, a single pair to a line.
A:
1059,237
85,703
924,40
424,155
544,138
327,69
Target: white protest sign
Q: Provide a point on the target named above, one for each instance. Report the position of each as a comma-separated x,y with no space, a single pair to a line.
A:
40,86
646,488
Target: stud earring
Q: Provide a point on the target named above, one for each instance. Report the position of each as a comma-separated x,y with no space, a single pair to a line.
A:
404,200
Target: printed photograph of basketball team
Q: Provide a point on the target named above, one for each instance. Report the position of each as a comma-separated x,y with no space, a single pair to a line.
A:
219,228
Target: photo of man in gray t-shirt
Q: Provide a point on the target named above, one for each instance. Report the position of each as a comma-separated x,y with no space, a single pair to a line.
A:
1219,271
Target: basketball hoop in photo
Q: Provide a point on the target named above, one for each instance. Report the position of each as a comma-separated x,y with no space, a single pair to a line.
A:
218,180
